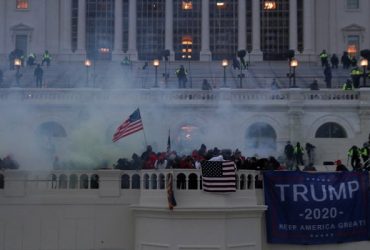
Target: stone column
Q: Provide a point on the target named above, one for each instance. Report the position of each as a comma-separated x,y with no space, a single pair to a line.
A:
132,49
169,29
205,53
81,28
242,22
293,28
65,30
256,54
2,31
308,31
118,32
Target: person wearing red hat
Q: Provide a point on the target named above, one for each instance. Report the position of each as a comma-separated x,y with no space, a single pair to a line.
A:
340,166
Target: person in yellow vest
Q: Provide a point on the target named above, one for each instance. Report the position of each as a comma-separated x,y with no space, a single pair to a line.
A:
324,58
354,155
298,154
46,58
365,150
348,85
356,74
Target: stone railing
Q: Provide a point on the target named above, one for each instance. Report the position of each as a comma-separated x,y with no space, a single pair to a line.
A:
183,179
187,96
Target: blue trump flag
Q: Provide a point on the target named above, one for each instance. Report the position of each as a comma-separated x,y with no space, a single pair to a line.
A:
316,208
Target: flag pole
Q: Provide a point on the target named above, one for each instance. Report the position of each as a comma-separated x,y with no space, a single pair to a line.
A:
146,142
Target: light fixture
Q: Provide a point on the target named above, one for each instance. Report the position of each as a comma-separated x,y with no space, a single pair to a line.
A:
17,62
87,63
364,62
155,62
293,63
220,4
187,5
225,63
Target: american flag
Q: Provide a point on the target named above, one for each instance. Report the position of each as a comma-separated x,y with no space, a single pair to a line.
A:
218,176
129,126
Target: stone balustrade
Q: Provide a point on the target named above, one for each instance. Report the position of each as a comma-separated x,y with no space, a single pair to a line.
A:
187,96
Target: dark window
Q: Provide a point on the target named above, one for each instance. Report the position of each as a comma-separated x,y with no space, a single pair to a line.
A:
261,139
331,130
74,23
136,181
84,181
187,29
150,28
94,181
99,28
300,25
181,181
125,181
1,181
193,181
161,181
153,181
223,29
146,181
125,25
275,31
62,181
73,180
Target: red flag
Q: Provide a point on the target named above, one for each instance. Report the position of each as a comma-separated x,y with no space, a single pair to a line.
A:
129,126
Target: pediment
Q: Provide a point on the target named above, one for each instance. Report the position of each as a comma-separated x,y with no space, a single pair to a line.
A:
353,27
21,27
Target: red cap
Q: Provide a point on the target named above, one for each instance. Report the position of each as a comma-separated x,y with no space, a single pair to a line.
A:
338,162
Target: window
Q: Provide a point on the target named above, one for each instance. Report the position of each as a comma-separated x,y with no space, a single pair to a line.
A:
353,44
261,139
22,5
223,29
331,130
150,28
187,22
353,4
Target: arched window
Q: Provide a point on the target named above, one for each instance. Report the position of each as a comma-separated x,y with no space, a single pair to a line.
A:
94,181
125,181
331,130
146,181
51,129
161,181
53,181
181,181
189,136
73,180
261,139
63,181
193,181
242,182
1,181
153,181
84,181
136,181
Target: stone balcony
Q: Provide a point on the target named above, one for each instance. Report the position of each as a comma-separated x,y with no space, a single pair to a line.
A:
145,187
283,97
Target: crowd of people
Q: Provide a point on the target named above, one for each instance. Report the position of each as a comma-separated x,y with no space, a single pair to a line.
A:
8,162
348,61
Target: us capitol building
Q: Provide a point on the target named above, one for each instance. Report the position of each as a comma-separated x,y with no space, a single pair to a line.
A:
76,112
